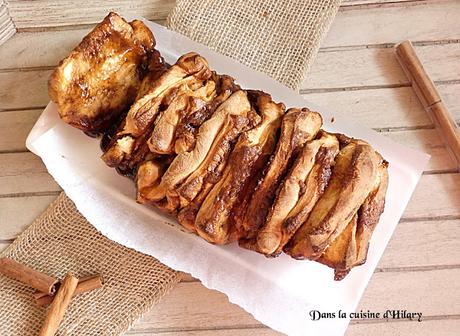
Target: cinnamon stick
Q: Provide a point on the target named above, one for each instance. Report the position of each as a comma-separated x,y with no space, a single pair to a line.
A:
59,305
28,276
84,285
426,92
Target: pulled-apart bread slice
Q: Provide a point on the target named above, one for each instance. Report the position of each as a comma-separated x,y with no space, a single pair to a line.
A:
189,71
350,247
219,152
156,67
297,127
211,146
187,127
187,214
353,178
187,102
101,76
213,220
298,193
149,175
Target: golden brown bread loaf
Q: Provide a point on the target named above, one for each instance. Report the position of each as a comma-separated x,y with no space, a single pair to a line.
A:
229,163
213,220
102,75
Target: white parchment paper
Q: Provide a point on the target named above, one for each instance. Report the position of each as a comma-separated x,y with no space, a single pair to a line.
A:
278,292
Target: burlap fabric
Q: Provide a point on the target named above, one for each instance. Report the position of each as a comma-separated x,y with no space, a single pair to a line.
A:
279,38
61,240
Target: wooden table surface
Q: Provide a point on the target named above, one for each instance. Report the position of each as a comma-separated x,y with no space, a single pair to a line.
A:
355,73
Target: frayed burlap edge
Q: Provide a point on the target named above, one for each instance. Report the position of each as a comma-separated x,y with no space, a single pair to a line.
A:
61,240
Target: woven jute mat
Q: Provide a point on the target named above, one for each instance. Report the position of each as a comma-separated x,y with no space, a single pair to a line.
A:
279,38
62,240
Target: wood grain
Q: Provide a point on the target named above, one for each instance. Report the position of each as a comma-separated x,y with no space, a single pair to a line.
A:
358,66
422,21
7,28
363,66
400,105
24,173
427,328
354,74
69,12
14,128
178,311
19,212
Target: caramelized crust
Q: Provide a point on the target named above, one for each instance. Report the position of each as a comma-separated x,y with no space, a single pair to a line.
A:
187,214
187,127
350,248
303,185
298,127
353,178
189,71
148,177
101,76
341,254
188,101
213,220
204,153
369,215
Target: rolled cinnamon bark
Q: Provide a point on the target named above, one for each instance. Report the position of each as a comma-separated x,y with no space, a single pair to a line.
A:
28,276
84,285
59,306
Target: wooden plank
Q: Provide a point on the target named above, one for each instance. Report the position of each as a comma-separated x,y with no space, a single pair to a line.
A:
423,244
379,67
436,20
38,49
436,196
430,20
7,28
4,245
257,331
24,90
14,128
24,173
179,310
45,13
441,327
358,66
427,141
400,106
384,108
19,212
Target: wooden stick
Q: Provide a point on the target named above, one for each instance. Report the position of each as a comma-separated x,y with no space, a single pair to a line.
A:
28,276
429,97
84,285
59,305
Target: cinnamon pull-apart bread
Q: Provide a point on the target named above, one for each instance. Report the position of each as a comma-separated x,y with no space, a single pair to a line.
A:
230,164
101,76
213,221
188,74
298,193
356,173
189,170
298,127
